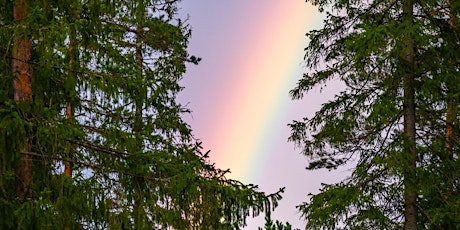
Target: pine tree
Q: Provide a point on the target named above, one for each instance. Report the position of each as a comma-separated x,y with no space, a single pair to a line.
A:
396,121
91,135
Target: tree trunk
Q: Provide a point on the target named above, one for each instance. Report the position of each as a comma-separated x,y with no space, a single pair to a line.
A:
22,72
69,114
450,141
69,110
410,188
137,126
451,102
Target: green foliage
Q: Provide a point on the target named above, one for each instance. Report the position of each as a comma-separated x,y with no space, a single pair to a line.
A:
104,82
277,225
362,44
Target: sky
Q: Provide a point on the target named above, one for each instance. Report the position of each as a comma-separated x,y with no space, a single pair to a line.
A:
252,55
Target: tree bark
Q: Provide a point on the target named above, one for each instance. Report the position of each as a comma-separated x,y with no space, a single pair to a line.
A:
410,188
22,72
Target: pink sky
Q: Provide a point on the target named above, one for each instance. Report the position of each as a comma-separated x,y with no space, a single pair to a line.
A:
252,56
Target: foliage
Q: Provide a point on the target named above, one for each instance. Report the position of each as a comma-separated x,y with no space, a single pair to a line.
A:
277,225
364,44
104,135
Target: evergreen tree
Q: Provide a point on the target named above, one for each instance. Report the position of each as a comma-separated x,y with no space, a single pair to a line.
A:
277,225
396,120
91,135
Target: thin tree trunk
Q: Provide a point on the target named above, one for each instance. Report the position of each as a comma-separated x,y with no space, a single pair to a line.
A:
69,110
451,90
451,101
68,171
138,120
450,113
410,188
22,72
450,119
69,113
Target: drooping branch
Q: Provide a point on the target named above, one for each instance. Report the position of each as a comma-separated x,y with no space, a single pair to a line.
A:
99,167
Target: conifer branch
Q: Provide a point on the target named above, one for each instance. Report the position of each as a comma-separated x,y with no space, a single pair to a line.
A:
98,167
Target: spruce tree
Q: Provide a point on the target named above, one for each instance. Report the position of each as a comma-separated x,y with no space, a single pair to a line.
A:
91,134
395,122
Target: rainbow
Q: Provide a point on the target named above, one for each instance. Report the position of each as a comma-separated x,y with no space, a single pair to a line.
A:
252,56
263,61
